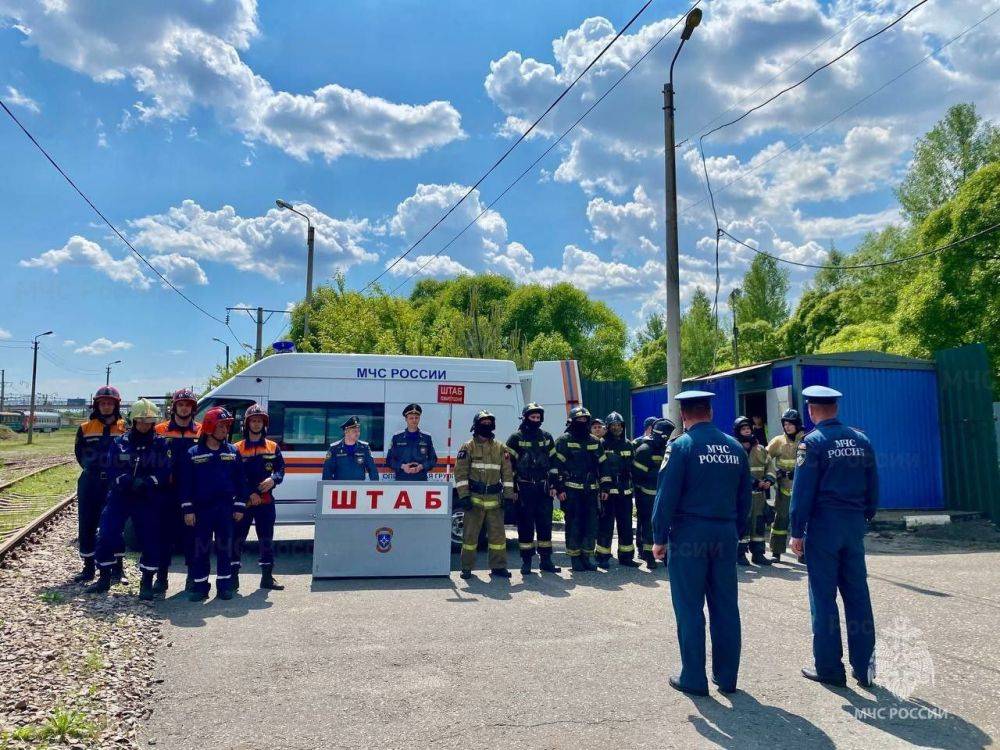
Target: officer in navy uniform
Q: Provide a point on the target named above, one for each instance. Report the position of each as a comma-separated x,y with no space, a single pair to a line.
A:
350,458
834,495
702,507
411,452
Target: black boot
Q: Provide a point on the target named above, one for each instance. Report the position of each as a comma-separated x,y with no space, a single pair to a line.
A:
118,572
160,584
576,564
585,561
267,579
465,575
757,558
741,554
146,586
103,583
547,566
775,557
604,563
198,592
525,565
87,574
647,557
628,562
225,591
188,584
235,580
500,572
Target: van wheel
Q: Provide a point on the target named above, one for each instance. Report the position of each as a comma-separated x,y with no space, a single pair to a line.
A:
457,530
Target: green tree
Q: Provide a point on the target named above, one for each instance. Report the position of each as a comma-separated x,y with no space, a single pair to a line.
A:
945,158
764,294
701,340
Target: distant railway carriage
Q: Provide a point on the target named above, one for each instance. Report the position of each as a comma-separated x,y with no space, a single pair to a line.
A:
45,421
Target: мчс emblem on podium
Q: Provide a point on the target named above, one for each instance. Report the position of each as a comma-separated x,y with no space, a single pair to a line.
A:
383,539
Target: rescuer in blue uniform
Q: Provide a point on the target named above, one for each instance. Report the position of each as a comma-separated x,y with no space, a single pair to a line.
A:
647,426
263,469
411,452
92,448
702,507
834,495
138,470
214,495
180,431
350,458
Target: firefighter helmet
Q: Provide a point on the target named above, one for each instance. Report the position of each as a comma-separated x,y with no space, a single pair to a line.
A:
663,427
213,418
181,395
791,415
532,408
614,418
107,391
255,410
481,416
578,411
144,410
740,423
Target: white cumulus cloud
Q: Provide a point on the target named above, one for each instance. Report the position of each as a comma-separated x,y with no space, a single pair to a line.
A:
181,55
179,269
103,345
79,251
21,100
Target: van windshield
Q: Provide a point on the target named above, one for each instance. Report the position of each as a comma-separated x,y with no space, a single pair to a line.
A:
235,406
313,425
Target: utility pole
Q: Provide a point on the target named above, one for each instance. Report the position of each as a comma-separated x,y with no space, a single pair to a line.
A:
258,353
673,264
3,387
34,378
107,371
227,349
734,297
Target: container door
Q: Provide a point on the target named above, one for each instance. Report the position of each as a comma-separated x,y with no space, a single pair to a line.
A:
778,400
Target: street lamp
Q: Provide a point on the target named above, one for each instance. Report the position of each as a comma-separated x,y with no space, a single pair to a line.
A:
107,371
34,373
227,349
310,241
673,266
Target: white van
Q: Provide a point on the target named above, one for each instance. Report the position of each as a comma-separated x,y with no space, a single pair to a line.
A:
308,396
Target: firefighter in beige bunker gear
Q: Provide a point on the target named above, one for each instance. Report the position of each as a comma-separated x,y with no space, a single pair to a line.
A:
484,478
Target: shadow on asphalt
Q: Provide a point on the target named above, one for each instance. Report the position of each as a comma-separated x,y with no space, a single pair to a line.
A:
729,726
187,614
914,721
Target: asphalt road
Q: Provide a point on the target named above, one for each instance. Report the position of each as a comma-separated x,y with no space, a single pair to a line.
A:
571,661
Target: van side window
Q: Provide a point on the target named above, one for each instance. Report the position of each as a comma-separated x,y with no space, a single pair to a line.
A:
313,425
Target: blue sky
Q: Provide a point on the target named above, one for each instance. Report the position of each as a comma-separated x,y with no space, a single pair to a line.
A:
185,120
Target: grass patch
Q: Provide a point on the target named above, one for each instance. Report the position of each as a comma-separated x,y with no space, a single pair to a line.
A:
94,661
26,500
52,597
58,443
62,725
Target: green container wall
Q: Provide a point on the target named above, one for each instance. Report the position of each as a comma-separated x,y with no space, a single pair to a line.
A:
968,436
602,397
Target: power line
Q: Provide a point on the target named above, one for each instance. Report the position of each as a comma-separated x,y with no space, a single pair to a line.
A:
825,65
747,172
546,152
103,217
507,153
776,76
876,264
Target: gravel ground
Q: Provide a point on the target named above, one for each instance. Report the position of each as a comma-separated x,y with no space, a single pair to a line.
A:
76,669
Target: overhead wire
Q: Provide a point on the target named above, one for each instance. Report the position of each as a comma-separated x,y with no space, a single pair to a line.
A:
105,219
874,264
548,150
507,153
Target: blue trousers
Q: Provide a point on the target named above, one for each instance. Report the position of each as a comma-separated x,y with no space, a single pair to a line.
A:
144,510
835,559
262,517
702,565
213,523
91,497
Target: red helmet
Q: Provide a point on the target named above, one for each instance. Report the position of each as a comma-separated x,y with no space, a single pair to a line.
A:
213,418
183,394
107,391
255,410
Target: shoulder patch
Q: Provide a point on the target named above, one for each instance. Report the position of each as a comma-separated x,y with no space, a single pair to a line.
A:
462,453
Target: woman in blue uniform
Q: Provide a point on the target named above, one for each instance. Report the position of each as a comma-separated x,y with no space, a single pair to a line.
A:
263,469
213,495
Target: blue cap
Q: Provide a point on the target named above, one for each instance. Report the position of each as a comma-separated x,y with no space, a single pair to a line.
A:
351,422
648,421
820,394
694,396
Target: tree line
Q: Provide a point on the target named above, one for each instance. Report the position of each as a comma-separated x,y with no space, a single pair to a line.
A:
860,301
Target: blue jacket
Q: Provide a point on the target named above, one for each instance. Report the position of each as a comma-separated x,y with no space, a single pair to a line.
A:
834,468
261,459
138,468
409,447
705,476
350,462
211,479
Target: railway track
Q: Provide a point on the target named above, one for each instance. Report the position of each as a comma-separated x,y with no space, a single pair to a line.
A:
13,538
